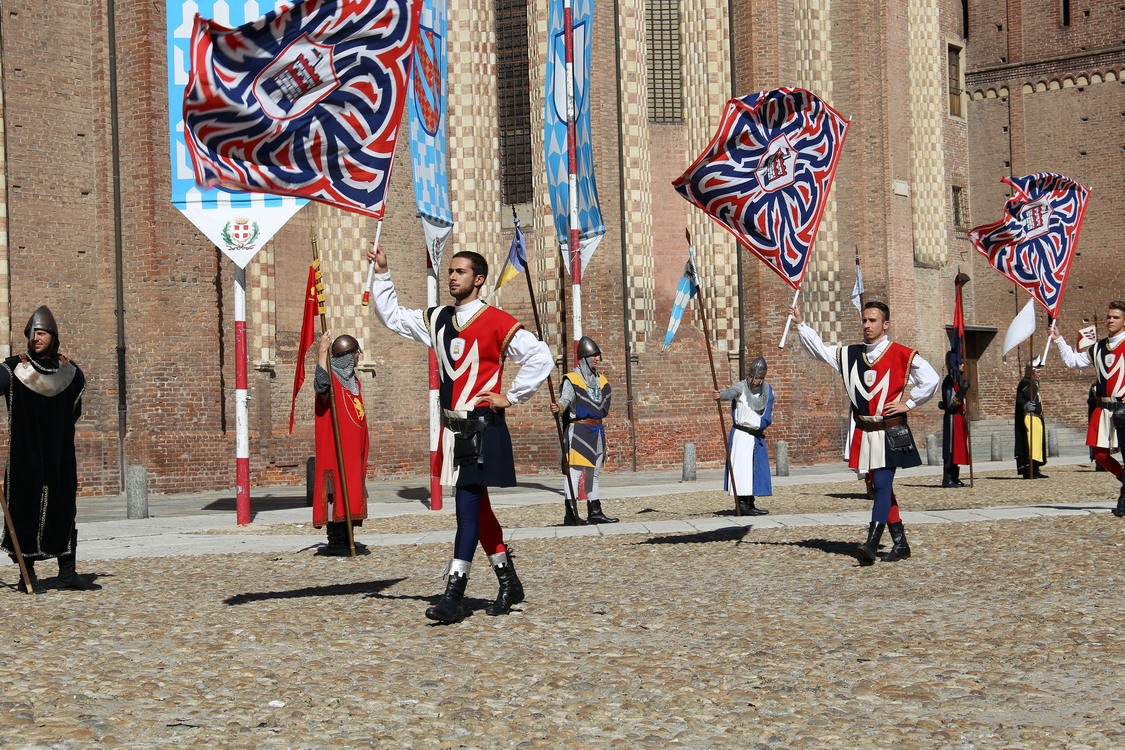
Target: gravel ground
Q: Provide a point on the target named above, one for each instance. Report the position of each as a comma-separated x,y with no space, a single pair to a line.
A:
993,635
1063,484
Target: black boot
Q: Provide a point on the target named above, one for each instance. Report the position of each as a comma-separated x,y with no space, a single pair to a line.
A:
36,586
947,477
900,550
594,513
572,518
338,542
511,590
869,550
68,576
744,505
448,609
955,476
1119,511
750,509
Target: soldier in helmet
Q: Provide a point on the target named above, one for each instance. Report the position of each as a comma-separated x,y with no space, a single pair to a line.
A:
328,505
584,402
43,390
954,433
752,408
1031,438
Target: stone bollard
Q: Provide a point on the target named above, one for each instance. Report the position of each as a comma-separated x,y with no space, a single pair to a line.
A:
997,453
782,450
1053,443
933,452
689,463
136,492
310,481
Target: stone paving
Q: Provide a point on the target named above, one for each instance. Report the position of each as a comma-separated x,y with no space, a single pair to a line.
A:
997,633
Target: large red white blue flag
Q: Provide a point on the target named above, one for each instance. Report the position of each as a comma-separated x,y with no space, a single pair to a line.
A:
766,174
305,101
1033,245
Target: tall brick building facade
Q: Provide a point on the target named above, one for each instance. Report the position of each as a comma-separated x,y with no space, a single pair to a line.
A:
945,97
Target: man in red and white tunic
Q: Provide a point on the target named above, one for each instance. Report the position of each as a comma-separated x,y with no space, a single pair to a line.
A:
1104,434
471,341
876,374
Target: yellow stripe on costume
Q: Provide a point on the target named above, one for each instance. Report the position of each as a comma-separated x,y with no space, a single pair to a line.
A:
577,460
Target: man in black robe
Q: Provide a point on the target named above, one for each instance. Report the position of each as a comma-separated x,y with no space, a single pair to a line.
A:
43,392
1031,438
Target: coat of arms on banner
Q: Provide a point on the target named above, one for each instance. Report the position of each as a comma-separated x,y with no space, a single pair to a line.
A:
239,234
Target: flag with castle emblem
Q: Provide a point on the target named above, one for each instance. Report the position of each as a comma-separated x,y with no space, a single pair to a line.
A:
766,174
305,101
1033,244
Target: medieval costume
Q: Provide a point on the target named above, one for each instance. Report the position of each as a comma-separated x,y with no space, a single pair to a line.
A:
354,443
954,428
584,402
1106,430
876,375
1031,438
471,342
43,390
751,413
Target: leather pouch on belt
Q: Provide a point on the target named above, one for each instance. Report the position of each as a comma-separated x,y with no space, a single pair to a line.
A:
1119,416
467,447
899,437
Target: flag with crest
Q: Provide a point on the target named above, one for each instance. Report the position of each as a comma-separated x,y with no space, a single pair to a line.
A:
305,101
1033,244
766,174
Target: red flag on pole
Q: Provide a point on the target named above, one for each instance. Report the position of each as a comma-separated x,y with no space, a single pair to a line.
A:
314,305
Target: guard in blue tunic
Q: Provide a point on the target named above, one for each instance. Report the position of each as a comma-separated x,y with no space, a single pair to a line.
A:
584,402
752,412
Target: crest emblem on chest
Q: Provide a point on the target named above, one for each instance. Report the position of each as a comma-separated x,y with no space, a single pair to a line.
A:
456,348
869,378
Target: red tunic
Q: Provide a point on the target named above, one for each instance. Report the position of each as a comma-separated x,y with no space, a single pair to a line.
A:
470,358
1110,367
354,441
871,386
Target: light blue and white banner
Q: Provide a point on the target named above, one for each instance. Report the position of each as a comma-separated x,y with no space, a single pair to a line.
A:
688,288
427,107
239,223
591,227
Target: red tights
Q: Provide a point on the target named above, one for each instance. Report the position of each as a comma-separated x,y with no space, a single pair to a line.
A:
1108,462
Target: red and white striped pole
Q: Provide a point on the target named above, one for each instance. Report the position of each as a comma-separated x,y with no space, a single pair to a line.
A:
435,405
241,414
572,169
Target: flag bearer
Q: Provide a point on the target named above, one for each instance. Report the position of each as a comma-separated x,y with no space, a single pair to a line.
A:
876,374
954,432
471,341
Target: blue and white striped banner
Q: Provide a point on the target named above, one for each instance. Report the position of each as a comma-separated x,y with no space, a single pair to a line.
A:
239,223
688,288
554,129
427,107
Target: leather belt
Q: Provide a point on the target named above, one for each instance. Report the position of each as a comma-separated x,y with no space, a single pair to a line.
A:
1109,403
470,424
750,431
877,424
595,422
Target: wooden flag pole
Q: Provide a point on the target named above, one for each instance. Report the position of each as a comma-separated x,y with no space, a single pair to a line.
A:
370,266
714,376
789,320
550,385
24,577
342,482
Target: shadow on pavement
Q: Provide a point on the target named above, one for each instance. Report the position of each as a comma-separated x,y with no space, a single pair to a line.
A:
340,589
860,495
846,549
733,534
422,494
259,504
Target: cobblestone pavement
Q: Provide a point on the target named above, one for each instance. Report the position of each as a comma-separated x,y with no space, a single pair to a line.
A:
995,634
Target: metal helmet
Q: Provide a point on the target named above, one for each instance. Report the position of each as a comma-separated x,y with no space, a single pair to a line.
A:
344,344
587,347
758,368
42,319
